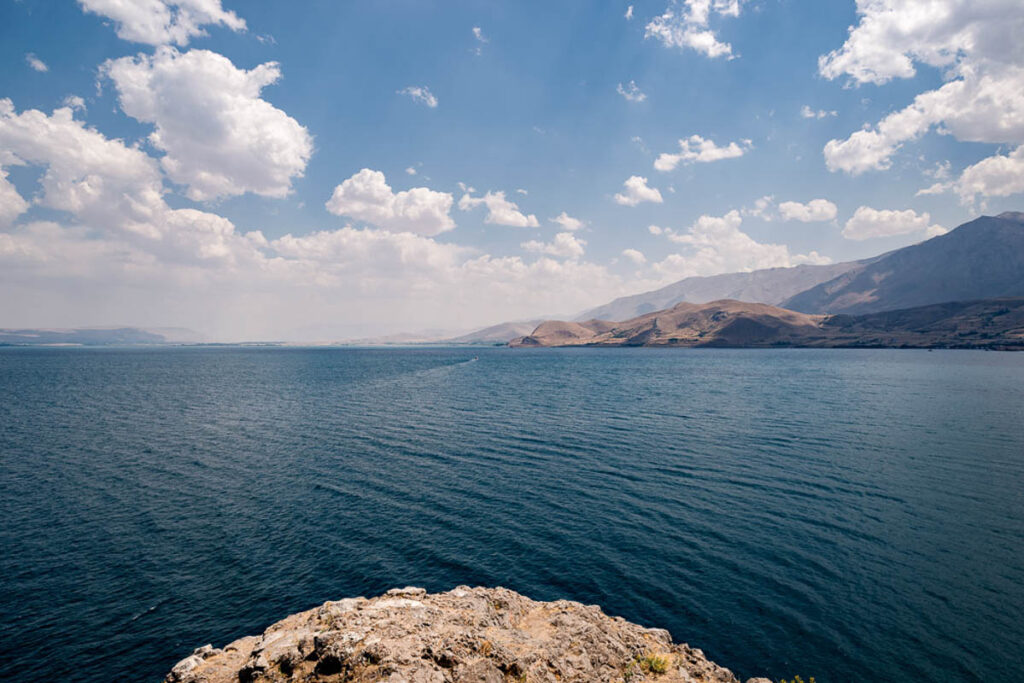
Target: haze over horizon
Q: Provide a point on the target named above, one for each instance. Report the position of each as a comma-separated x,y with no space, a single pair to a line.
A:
257,171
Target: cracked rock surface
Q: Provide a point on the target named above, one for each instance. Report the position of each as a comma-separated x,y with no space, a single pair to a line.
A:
492,635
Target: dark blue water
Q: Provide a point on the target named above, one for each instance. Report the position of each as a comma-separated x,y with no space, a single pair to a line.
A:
851,515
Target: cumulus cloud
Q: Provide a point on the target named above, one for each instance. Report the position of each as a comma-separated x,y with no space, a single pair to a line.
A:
564,245
12,204
420,94
631,92
867,223
696,149
102,182
997,176
219,137
635,255
367,197
813,211
978,46
685,24
715,244
500,211
163,22
809,113
629,13
36,63
119,253
74,102
567,222
637,191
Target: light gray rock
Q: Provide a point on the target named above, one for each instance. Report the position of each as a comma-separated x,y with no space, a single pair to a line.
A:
485,635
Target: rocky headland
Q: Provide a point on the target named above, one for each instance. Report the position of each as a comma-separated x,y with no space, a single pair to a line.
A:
492,635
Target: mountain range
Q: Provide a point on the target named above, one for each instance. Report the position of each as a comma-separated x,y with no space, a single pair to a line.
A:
986,324
978,260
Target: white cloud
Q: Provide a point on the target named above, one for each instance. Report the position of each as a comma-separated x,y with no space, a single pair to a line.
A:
763,208
420,94
36,63
500,211
809,113
102,182
635,255
867,223
12,204
715,244
629,13
685,24
567,222
219,137
410,171
977,43
637,191
696,149
120,254
74,102
163,22
813,211
564,245
631,92
655,229
367,197
997,176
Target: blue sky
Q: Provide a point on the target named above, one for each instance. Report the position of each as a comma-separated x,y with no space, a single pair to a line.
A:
478,99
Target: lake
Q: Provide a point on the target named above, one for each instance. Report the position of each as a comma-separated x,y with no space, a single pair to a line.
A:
845,514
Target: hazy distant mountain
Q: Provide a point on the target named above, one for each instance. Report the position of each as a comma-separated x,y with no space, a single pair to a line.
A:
981,259
99,336
993,324
770,286
496,334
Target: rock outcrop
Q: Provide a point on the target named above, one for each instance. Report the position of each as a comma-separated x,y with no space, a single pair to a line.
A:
492,635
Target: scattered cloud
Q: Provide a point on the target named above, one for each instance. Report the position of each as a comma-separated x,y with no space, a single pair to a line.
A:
696,149
631,92
74,102
36,63
116,239
976,44
635,255
763,208
564,245
637,191
367,197
655,229
809,113
410,170
567,222
997,176
12,204
163,22
867,223
629,13
715,244
420,94
219,137
500,211
685,24
814,211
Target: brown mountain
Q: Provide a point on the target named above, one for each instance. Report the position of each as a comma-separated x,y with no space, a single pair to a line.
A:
981,259
994,323
770,286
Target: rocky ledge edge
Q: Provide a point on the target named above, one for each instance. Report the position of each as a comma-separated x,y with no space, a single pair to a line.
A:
492,635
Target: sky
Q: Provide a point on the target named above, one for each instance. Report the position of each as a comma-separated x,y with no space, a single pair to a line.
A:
328,170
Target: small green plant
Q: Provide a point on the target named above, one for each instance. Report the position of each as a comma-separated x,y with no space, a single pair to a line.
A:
655,663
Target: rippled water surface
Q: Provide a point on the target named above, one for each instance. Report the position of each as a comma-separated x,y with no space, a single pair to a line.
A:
852,515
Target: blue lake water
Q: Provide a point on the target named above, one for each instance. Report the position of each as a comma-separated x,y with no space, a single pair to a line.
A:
851,515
